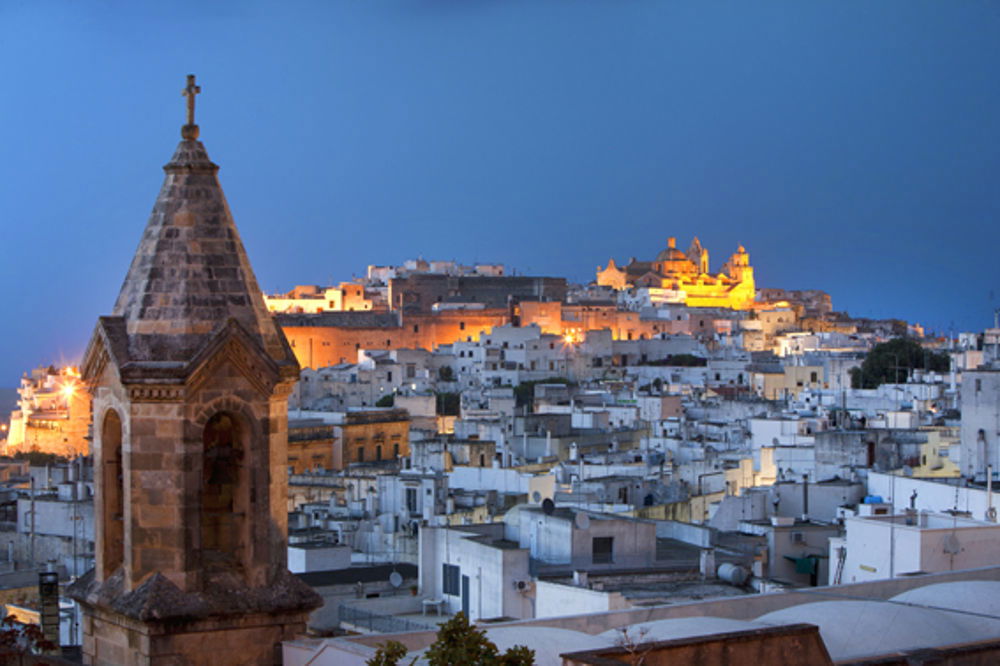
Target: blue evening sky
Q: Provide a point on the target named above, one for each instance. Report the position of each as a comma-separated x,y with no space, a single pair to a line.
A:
851,146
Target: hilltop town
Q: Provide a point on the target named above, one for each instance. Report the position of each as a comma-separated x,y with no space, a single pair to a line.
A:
516,447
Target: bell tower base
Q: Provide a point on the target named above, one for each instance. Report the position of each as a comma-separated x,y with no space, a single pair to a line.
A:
158,624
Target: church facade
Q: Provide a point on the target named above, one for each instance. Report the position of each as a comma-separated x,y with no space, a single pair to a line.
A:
677,277
190,378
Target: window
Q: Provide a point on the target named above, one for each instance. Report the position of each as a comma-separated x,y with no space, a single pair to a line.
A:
411,500
361,454
378,452
979,385
812,377
416,328
461,325
450,575
395,450
603,547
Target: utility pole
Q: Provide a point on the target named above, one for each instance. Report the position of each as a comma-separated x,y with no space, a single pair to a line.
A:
31,511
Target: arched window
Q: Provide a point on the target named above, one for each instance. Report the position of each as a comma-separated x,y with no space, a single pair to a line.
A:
113,489
222,511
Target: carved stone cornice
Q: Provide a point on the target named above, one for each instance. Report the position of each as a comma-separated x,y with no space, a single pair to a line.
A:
156,393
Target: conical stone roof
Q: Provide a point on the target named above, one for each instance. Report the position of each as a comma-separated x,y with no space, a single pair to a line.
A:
190,274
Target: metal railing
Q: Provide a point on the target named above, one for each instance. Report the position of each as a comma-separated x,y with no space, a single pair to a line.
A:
377,622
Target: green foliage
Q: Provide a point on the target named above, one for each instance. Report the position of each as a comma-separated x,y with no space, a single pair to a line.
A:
388,400
681,360
519,655
524,393
892,361
388,654
458,643
39,459
446,374
449,404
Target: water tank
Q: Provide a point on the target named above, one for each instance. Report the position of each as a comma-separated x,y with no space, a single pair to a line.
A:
733,573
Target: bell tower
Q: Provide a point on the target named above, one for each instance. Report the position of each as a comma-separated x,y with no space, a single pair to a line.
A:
190,379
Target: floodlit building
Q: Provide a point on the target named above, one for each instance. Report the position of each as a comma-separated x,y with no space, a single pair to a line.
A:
687,276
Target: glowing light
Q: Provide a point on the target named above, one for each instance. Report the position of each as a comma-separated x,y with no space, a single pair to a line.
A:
68,390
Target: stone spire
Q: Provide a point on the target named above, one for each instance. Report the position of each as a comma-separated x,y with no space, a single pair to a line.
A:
190,379
190,273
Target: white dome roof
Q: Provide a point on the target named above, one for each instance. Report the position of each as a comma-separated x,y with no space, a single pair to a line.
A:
679,627
974,598
853,629
547,642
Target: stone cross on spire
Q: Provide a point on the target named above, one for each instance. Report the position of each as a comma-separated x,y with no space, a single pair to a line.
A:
190,131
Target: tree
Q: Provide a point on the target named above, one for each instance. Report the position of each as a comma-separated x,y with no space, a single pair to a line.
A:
446,374
524,393
388,400
388,654
449,404
680,360
40,459
458,643
893,361
22,639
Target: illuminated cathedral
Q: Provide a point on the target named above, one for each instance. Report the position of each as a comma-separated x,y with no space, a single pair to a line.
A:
677,277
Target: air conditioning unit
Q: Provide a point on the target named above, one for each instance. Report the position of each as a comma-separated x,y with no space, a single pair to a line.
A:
526,587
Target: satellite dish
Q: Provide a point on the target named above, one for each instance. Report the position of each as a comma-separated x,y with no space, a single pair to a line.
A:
548,506
536,496
581,520
395,579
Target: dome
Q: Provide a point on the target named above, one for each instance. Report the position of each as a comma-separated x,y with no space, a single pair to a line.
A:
969,596
673,260
680,627
547,642
853,629
671,254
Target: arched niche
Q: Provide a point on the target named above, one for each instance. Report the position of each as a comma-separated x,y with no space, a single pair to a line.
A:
223,509
113,489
